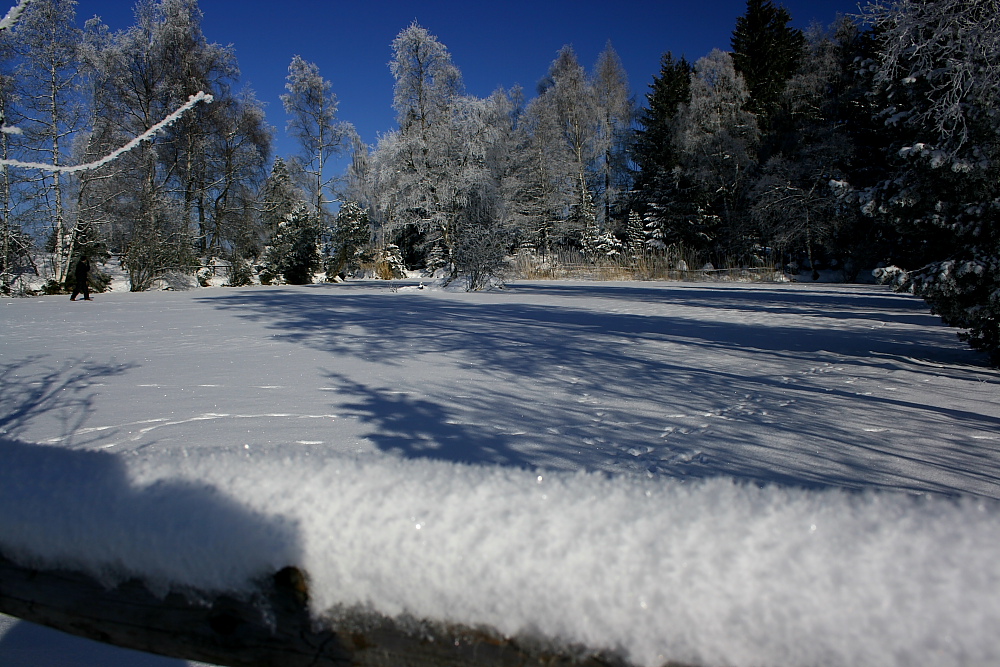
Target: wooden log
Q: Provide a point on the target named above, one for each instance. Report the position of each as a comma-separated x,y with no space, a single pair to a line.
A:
270,628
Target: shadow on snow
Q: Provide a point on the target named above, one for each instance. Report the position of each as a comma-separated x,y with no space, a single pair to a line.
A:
510,380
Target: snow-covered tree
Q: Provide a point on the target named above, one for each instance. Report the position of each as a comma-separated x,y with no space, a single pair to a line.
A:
717,137
154,194
293,254
51,113
616,112
442,173
797,198
238,153
312,106
278,197
431,154
564,125
635,234
655,151
939,72
351,238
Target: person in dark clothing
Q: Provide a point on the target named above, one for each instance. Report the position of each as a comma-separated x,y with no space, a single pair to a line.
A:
82,272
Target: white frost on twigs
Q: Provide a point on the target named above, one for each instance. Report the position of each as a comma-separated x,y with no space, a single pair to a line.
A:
201,96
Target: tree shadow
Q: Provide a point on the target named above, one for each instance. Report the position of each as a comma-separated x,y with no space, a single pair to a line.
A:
525,382
496,334
418,427
838,301
63,390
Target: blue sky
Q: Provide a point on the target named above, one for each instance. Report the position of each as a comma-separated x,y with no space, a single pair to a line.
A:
493,43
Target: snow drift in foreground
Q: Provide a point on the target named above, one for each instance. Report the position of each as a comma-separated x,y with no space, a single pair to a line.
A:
709,572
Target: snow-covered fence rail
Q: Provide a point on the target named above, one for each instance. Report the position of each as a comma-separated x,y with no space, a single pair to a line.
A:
271,628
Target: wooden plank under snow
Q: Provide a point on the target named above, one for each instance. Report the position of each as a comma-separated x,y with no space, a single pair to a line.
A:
270,628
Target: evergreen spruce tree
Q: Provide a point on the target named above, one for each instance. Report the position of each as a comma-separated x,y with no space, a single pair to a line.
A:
294,255
351,237
659,197
939,73
655,151
635,233
767,52
278,197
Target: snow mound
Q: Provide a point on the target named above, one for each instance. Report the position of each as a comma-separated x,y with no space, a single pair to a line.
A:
709,572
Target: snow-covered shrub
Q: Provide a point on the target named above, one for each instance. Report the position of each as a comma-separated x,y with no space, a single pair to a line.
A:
939,75
293,254
240,273
480,251
600,244
389,262
351,237
965,294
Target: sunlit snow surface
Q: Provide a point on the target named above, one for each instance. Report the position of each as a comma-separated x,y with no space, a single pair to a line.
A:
715,474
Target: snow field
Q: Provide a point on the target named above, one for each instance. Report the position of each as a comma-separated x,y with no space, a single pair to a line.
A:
718,475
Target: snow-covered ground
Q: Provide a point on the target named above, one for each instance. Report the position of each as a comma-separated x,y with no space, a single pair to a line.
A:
721,474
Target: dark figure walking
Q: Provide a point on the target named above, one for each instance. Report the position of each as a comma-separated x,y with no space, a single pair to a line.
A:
82,271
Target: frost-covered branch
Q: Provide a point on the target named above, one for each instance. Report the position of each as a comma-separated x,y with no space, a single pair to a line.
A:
201,96
13,15
6,23
951,49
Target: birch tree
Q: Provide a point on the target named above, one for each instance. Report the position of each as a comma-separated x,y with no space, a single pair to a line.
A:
312,107
10,21
616,112
153,202
564,121
51,114
237,151
718,138
433,150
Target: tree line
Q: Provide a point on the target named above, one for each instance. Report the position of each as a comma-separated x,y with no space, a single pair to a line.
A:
868,144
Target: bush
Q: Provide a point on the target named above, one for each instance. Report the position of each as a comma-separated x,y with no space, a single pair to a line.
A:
293,254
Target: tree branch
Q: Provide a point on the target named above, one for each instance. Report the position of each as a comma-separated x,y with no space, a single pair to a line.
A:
145,136
13,15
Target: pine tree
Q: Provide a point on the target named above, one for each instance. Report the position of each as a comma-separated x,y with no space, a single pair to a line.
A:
293,254
655,151
767,52
351,237
939,73
658,196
